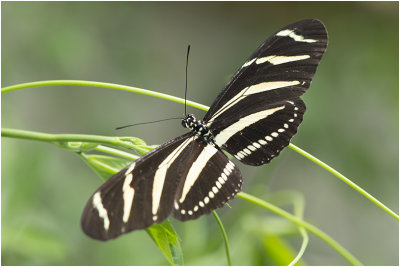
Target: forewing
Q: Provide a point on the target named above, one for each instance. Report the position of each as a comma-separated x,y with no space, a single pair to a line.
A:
281,67
138,196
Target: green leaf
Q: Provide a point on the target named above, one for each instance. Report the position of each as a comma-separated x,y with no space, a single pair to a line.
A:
104,166
167,240
279,251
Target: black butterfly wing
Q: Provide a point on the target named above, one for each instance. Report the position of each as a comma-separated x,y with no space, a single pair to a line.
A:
174,178
209,183
259,110
125,201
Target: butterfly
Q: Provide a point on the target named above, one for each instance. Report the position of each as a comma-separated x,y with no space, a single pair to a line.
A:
253,119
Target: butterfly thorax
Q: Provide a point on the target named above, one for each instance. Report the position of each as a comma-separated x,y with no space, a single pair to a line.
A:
199,128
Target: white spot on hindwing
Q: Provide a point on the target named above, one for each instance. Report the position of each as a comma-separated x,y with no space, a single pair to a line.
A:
252,148
214,189
262,142
257,145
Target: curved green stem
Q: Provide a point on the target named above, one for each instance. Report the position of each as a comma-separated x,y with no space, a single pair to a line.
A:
299,204
224,235
344,179
125,142
105,85
311,228
45,137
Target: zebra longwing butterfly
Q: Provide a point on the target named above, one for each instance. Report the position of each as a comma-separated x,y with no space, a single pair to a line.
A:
253,119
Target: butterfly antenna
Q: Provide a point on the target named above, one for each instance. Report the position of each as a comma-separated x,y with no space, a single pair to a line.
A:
147,122
186,80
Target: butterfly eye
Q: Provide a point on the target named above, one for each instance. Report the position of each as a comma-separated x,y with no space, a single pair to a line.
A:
184,123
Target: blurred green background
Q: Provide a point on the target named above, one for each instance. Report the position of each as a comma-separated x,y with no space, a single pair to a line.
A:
351,123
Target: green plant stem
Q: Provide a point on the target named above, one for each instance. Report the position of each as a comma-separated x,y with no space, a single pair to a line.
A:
22,134
298,210
344,179
45,137
105,85
224,235
298,221
296,199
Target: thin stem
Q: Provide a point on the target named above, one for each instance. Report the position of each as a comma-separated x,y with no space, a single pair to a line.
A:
344,179
298,208
329,240
106,85
297,200
45,137
6,132
224,235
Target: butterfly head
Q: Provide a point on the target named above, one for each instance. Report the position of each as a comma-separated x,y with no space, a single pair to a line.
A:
189,121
